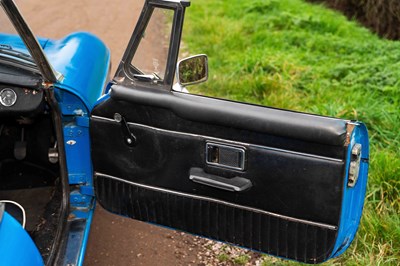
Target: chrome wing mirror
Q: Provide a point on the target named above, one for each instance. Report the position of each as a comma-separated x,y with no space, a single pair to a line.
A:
191,70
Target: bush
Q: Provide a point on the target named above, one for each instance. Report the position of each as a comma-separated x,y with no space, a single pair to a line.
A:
381,16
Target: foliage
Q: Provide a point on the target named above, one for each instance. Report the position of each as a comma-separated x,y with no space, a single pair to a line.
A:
295,55
381,16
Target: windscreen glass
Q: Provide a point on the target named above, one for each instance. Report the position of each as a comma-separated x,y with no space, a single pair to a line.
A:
12,49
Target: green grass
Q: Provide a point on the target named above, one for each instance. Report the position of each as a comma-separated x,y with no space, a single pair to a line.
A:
295,55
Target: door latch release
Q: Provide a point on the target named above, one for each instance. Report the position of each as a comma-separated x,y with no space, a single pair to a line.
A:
354,165
129,138
225,156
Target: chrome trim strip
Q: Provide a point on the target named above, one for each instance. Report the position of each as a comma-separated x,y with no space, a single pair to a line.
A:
2,209
224,140
291,219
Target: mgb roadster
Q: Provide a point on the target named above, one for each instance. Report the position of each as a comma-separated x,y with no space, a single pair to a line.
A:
284,183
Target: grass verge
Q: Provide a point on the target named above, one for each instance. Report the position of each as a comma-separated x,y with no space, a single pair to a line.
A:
295,55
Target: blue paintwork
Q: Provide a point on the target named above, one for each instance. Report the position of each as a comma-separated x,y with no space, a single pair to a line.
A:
78,234
86,236
80,202
85,76
77,149
16,42
353,197
84,61
70,104
81,57
103,98
16,246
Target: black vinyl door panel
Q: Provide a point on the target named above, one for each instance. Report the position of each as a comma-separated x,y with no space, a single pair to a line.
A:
294,163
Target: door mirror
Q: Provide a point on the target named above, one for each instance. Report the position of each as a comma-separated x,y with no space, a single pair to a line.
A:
193,70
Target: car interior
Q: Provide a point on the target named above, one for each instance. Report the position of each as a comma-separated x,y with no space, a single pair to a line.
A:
29,169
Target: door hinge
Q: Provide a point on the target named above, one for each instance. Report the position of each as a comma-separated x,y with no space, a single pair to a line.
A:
129,138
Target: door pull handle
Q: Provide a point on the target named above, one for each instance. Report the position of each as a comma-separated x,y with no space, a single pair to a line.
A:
236,184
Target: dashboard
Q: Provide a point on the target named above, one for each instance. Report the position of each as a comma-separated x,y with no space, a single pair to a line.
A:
16,101
20,93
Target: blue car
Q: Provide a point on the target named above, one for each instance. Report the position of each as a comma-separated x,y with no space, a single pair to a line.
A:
284,183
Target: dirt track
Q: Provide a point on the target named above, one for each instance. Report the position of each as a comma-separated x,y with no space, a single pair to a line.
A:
113,240
112,21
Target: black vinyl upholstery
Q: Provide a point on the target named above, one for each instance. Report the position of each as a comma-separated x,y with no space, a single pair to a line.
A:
295,161
272,121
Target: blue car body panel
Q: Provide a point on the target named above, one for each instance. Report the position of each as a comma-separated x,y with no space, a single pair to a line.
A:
83,60
16,246
17,43
353,197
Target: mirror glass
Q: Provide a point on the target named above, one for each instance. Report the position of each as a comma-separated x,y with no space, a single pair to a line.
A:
193,70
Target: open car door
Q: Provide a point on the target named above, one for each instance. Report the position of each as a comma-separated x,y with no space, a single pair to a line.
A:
285,183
